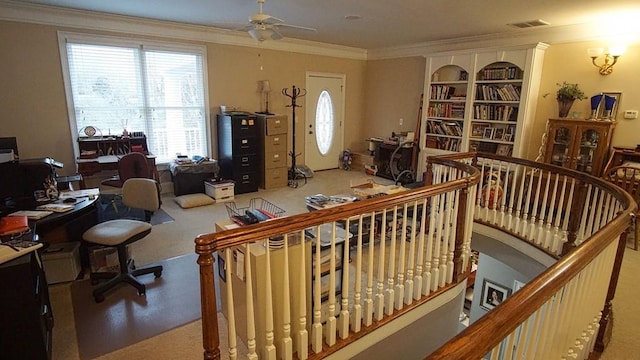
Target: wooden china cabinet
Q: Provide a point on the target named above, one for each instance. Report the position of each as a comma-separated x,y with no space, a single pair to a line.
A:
579,144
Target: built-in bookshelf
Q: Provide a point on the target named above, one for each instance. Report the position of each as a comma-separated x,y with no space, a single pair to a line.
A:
481,100
496,102
446,108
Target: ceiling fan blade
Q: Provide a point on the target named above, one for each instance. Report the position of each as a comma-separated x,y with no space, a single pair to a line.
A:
295,27
264,19
276,34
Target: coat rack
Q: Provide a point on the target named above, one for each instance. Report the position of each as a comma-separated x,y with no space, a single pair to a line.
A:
294,172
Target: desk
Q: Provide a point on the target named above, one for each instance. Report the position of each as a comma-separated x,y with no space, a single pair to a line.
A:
621,155
88,167
190,178
25,309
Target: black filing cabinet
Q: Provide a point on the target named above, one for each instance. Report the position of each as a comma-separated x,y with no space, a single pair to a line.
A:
238,146
25,311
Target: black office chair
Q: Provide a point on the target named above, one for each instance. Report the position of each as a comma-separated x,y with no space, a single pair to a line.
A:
138,193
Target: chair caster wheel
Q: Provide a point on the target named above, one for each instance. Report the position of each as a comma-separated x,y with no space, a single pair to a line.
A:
157,274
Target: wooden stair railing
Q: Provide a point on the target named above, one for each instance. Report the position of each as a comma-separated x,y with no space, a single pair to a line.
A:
431,248
426,234
566,311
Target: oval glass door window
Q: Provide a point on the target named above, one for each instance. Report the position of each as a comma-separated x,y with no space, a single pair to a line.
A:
324,122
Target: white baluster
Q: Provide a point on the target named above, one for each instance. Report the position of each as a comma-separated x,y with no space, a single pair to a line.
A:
251,322
552,212
408,293
417,293
444,240
390,296
452,236
357,307
368,301
379,297
540,239
531,233
231,313
399,301
331,326
438,241
302,338
287,342
525,216
316,330
519,210
426,278
343,321
270,349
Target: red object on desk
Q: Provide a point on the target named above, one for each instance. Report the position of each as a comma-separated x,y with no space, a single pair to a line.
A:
13,225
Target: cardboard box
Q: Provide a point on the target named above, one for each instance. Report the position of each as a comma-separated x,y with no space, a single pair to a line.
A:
62,262
360,160
221,191
104,259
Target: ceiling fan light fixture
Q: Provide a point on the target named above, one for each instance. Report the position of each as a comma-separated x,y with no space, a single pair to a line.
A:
261,34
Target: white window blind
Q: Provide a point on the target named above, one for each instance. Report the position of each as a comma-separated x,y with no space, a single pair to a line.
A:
158,91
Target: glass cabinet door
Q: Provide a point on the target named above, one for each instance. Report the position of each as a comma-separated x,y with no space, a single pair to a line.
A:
589,139
561,146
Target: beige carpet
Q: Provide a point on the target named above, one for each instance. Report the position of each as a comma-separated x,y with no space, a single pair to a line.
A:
176,238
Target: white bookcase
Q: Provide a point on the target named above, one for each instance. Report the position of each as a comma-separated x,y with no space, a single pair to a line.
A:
480,99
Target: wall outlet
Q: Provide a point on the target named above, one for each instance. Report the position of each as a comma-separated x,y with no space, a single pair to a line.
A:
631,114
401,121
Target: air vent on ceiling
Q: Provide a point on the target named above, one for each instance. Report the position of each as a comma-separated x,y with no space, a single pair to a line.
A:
530,23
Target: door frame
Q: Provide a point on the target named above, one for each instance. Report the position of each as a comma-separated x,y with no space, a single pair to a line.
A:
340,136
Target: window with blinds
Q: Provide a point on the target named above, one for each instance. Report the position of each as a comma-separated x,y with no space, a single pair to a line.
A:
158,89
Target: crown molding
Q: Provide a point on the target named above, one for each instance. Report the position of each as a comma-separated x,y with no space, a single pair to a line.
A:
549,35
89,20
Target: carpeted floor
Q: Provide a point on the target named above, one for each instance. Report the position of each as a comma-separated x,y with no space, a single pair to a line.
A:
176,238
110,207
125,318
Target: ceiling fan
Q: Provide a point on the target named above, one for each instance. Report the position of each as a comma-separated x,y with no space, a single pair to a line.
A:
263,26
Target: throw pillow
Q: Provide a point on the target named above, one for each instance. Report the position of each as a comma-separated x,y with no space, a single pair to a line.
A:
193,200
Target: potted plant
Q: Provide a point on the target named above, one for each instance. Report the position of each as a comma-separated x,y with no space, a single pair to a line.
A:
566,95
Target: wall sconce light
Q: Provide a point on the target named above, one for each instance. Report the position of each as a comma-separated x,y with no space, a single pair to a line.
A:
610,58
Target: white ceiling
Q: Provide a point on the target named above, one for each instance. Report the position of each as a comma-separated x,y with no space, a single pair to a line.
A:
383,23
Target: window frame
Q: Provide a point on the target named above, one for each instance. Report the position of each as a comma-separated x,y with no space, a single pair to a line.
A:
106,40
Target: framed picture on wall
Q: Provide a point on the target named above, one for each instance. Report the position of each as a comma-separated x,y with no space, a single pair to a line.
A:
493,294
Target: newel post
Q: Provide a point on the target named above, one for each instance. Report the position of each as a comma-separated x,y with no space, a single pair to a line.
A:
461,235
428,173
210,334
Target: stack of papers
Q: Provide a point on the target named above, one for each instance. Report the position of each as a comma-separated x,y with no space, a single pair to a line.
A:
90,193
32,214
55,207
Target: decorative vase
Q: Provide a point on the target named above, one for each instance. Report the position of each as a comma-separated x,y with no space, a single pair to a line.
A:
563,107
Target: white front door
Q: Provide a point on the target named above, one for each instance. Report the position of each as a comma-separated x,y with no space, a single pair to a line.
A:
324,127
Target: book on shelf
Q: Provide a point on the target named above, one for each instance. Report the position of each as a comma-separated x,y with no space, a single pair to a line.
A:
506,92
